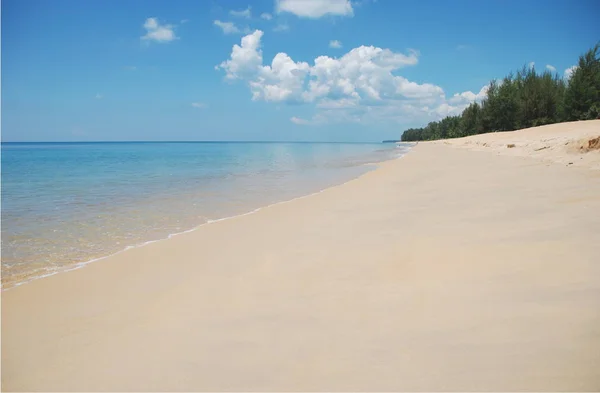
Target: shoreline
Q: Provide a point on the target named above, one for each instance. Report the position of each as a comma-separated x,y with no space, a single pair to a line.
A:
79,265
451,269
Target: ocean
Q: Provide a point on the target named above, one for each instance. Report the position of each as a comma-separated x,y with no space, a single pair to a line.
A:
66,204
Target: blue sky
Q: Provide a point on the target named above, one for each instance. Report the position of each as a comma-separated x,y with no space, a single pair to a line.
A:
169,70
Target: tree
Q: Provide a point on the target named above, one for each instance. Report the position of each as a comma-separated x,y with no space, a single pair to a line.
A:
507,105
582,96
526,99
471,120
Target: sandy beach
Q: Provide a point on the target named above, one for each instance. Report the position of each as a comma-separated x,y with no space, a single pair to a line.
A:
464,265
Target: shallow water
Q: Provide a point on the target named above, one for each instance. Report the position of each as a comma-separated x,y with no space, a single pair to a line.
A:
68,203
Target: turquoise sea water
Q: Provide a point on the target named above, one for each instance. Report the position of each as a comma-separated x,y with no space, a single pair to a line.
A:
64,204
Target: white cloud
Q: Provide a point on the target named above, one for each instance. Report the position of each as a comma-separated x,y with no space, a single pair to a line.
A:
131,68
227,27
315,8
335,44
247,13
245,60
99,96
266,16
362,85
531,65
550,68
157,32
459,102
468,97
281,27
184,21
364,73
199,105
569,71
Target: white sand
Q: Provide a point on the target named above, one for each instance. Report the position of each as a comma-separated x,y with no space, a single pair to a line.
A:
557,143
448,269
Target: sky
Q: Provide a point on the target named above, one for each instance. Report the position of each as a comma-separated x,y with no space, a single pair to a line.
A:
268,70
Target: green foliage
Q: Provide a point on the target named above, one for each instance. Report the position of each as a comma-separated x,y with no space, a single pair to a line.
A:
583,92
593,112
471,120
525,99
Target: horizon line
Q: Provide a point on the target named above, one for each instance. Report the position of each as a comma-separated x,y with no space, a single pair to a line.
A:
197,141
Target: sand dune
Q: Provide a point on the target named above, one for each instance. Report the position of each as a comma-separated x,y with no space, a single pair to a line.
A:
562,143
448,269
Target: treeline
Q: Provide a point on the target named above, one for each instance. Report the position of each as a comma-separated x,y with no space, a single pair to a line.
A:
525,99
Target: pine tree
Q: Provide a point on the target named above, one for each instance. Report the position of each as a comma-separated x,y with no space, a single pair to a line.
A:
471,120
582,97
527,99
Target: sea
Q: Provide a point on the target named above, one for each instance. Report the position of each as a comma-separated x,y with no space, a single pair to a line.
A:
68,204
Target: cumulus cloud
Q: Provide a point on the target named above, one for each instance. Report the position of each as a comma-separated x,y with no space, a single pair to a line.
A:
199,105
550,68
157,32
569,71
315,8
247,13
227,27
99,96
459,101
532,64
335,44
266,16
246,59
362,84
468,97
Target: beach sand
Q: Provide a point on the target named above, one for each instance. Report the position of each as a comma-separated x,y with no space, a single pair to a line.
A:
457,267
